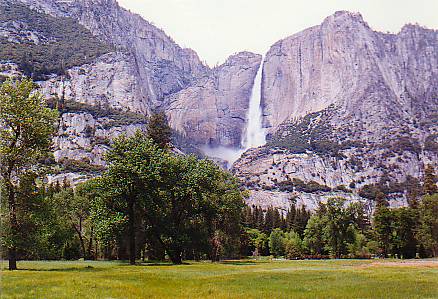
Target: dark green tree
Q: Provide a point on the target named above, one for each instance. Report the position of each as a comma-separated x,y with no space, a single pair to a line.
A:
429,184
382,225
134,171
25,138
405,225
428,227
158,129
313,235
276,242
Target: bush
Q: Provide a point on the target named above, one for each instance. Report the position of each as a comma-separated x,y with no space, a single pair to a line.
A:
300,185
294,246
276,242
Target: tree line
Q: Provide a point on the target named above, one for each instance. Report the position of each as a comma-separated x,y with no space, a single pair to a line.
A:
342,229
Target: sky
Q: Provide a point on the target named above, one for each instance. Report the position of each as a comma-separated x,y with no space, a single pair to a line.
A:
216,29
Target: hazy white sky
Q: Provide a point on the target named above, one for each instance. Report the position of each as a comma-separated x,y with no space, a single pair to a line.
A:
216,29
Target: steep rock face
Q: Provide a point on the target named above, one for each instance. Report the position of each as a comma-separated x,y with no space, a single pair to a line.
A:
346,107
344,62
84,137
162,67
213,111
109,82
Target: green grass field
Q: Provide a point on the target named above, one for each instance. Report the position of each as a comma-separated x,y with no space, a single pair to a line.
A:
233,279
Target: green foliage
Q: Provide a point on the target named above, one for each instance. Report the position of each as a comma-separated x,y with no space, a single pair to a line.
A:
257,242
430,180
428,224
65,42
182,202
276,242
79,166
27,126
158,129
338,229
382,225
404,228
299,185
293,245
313,236
25,138
117,117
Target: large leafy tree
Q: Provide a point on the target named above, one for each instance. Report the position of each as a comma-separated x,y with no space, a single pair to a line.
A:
383,227
133,176
183,202
197,198
339,222
26,127
428,227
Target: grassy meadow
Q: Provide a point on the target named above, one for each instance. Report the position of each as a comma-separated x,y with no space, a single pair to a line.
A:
232,279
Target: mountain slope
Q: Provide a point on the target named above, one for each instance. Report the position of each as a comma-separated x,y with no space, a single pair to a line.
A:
346,107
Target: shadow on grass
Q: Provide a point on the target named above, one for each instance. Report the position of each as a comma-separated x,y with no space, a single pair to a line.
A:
70,269
160,264
239,263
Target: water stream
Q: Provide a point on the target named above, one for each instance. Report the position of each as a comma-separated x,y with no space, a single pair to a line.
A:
255,134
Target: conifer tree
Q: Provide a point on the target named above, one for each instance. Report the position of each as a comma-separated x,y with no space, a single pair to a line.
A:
429,185
158,130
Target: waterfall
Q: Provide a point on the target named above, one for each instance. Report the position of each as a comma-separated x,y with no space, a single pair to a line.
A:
255,134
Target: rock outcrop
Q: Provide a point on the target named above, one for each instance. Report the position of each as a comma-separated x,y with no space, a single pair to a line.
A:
145,70
213,111
110,82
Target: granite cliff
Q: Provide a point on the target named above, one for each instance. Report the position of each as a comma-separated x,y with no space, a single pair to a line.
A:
346,107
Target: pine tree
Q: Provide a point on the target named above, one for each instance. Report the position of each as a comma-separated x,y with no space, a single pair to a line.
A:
276,221
429,185
290,217
248,217
269,220
159,130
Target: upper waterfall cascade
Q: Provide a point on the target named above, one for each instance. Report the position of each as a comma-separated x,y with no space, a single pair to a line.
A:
255,134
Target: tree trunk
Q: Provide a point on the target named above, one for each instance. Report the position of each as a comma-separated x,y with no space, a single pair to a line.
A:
12,254
90,244
78,231
175,257
131,232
